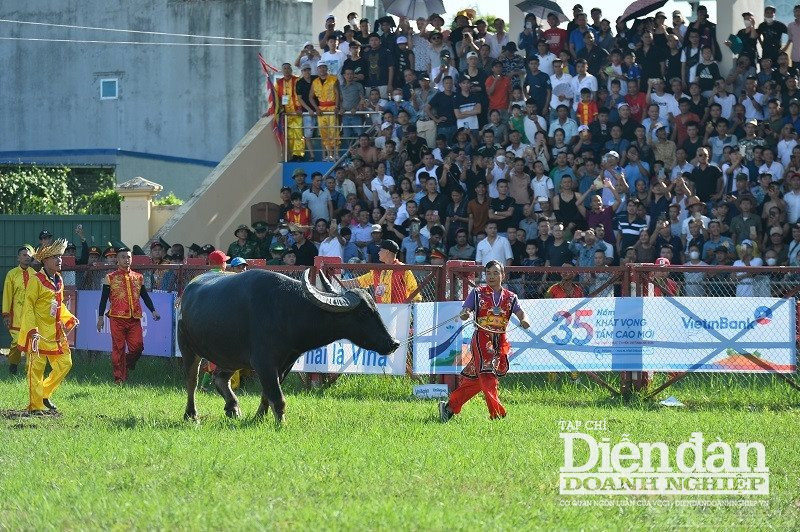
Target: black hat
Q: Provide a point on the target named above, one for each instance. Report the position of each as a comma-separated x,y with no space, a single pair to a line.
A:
45,234
70,245
194,247
208,248
137,250
390,245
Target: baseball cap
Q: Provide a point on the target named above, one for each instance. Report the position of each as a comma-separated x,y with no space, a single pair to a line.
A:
330,16
376,228
217,257
305,65
386,125
299,171
471,54
238,261
748,242
621,105
401,40
583,127
661,261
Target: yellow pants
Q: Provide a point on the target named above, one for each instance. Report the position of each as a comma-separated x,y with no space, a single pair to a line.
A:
328,125
39,387
294,136
14,354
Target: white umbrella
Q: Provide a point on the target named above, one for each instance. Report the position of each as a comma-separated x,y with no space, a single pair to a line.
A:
413,9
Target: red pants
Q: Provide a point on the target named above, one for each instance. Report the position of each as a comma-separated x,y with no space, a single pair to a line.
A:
469,388
125,331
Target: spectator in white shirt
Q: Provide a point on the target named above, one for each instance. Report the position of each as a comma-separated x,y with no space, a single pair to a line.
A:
792,199
332,246
546,57
582,79
500,170
754,102
681,164
787,143
561,84
667,104
497,40
771,166
493,247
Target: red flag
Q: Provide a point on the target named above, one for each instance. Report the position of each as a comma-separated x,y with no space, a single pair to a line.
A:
277,121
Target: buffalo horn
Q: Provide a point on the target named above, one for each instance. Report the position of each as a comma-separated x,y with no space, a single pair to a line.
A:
328,300
326,283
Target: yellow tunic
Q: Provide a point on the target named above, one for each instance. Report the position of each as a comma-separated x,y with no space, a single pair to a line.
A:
14,297
328,124
45,313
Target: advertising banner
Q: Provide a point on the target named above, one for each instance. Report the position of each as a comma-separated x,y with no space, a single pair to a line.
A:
624,334
158,339
343,356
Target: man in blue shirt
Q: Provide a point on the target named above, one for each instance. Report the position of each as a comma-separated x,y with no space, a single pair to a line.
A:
576,43
537,86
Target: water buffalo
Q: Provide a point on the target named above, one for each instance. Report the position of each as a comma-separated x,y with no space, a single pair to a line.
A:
265,321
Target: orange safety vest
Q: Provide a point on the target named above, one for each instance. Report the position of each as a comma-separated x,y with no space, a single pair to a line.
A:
125,289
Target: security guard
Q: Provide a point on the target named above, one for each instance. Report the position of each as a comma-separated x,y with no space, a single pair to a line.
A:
262,241
243,246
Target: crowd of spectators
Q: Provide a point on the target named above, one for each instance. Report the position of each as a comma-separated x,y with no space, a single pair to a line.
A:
624,139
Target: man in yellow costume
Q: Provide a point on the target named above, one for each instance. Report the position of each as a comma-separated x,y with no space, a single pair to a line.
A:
290,106
14,301
325,101
43,331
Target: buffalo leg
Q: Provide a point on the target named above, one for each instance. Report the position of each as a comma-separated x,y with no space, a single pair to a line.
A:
222,382
192,367
264,405
272,388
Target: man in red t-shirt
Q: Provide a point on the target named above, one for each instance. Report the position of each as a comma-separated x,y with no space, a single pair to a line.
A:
498,88
556,37
637,101
565,288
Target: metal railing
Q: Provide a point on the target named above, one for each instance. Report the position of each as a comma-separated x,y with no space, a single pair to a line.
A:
367,127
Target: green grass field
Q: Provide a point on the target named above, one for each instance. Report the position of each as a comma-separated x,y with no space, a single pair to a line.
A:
361,454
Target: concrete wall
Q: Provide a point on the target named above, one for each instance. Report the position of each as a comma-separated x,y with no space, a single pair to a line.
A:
249,174
194,102
178,177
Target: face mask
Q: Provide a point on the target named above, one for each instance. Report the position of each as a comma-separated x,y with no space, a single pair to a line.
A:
694,255
419,259
768,20
398,97
352,22
772,261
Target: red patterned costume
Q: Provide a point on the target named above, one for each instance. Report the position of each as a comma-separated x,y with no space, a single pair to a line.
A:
124,288
489,348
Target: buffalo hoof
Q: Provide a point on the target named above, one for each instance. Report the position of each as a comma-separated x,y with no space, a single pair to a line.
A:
190,417
233,413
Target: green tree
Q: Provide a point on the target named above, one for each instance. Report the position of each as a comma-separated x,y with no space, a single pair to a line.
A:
34,190
106,201
169,199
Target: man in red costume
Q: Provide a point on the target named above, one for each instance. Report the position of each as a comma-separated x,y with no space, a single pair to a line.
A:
492,306
124,288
